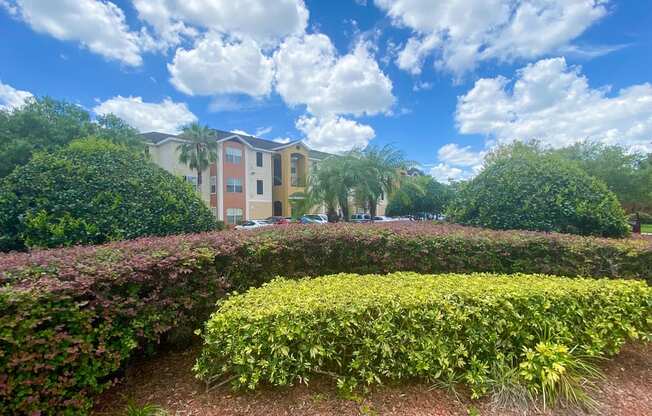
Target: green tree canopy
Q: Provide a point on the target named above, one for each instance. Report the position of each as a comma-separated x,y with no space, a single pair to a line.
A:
93,191
522,188
46,124
377,171
199,150
627,174
419,194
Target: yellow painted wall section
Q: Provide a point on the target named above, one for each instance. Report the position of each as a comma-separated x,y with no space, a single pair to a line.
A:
282,192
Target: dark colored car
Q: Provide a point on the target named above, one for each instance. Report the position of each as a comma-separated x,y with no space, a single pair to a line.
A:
278,220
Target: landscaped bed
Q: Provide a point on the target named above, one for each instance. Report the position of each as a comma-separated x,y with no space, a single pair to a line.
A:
70,318
167,381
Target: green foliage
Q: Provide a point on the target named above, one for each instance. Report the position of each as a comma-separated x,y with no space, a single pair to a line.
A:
70,317
370,329
378,173
553,373
44,124
133,409
367,174
419,194
627,174
200,150
520,188
91,192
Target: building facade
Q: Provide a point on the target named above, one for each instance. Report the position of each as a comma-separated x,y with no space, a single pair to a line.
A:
252,178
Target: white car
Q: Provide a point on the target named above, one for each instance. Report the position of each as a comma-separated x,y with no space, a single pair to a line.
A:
251,224
313,219
382,218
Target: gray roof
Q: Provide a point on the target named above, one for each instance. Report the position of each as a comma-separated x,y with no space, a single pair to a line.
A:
157,137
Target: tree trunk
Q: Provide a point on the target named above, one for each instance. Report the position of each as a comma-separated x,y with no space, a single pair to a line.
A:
198,150
372,207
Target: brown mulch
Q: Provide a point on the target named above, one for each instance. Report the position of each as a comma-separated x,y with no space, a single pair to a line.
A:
167,380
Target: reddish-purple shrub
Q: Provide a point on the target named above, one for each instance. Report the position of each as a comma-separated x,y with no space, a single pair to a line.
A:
70,317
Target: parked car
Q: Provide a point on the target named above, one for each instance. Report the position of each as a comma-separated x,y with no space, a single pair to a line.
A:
277,220
360,218
313,219
383,218
251,224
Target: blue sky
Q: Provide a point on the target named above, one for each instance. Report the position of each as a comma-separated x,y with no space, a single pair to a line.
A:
442,80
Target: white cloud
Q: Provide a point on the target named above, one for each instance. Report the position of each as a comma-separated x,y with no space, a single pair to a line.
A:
217,66
97,25
553,102
166,116
445,173
282,140
460,156
11,98
465,32
265,21
334,134
310,72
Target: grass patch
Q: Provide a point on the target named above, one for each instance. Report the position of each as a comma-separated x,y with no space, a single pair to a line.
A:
646,228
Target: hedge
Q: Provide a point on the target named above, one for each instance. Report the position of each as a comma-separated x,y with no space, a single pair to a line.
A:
366,329
70,317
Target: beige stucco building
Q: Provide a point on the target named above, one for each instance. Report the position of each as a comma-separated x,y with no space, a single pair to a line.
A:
252,178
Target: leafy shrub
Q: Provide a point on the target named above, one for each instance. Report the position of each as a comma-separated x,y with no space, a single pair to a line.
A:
92,192
530,191
69,317
368,329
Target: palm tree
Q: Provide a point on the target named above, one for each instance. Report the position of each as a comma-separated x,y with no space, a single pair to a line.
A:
331,184
378,173
199,150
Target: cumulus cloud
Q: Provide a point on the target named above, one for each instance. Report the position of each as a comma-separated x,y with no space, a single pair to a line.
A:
461,33
218,66
99,26
462,156
166,116
11,98
552,102
265,21
334,134
457,163
310,72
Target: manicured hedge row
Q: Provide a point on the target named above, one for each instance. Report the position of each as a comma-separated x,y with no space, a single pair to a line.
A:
366,329
70,317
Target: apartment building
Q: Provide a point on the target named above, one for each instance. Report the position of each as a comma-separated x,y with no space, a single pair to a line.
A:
252,178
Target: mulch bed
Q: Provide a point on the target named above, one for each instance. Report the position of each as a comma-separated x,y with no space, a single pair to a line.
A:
167,380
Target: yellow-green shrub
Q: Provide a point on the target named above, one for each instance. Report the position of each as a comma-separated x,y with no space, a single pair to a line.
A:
371,328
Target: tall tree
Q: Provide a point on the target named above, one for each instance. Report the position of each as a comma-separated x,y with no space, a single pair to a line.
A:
199,150
332,183
45,124
626,173
420,194
378,172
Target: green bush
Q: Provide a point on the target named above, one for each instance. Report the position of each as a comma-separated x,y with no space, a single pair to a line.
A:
79,313
542,192
92,192
369,329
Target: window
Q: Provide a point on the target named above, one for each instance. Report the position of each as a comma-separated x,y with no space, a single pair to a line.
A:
259,187
233,216
214,211
233,155
234,185
213,184
259,159
191,180
278,174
